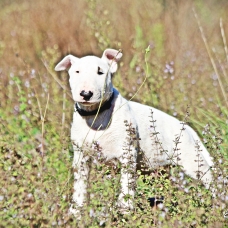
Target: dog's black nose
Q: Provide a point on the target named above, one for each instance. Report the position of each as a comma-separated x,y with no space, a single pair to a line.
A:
86,95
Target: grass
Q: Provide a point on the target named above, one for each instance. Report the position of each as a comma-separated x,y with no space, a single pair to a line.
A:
187,66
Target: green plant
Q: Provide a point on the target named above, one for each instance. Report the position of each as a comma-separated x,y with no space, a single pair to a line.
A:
36,190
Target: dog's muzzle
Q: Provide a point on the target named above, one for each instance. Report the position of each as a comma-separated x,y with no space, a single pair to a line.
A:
104,107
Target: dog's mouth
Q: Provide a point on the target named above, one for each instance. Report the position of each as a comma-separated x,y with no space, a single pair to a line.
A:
87,103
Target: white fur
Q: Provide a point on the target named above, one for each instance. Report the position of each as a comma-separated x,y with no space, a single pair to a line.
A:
84,76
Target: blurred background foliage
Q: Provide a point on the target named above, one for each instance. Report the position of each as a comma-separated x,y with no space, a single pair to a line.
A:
36,106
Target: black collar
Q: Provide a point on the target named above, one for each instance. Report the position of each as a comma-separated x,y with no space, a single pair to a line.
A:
104,107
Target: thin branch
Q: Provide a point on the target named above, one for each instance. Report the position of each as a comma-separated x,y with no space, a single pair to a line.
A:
64,108
38,103
220,64
42,118
210,56
147,70
56,79
224,39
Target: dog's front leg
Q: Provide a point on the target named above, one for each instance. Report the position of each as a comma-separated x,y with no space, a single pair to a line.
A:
81,171
128,180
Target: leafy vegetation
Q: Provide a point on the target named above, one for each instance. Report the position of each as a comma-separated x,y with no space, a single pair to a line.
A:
187,66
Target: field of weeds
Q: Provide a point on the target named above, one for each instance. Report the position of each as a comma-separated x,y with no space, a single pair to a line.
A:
187,69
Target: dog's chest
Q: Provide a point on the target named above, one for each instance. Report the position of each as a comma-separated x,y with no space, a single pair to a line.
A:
110,139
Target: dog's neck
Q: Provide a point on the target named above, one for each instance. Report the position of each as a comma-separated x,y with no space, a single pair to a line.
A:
94,109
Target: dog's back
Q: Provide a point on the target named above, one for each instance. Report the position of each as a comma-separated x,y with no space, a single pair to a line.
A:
166,140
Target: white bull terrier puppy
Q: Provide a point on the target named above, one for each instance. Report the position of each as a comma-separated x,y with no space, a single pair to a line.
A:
92,90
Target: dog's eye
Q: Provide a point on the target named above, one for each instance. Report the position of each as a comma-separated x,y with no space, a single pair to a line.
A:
77,71
99,71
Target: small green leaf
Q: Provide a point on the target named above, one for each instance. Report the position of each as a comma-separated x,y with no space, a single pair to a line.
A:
147,49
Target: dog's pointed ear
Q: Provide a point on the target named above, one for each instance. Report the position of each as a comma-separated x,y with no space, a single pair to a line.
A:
112,57
66,62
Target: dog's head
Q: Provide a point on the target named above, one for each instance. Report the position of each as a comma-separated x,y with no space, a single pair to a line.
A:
90,76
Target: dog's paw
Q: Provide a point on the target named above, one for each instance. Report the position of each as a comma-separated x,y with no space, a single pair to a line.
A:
125,204
76,212
155,201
